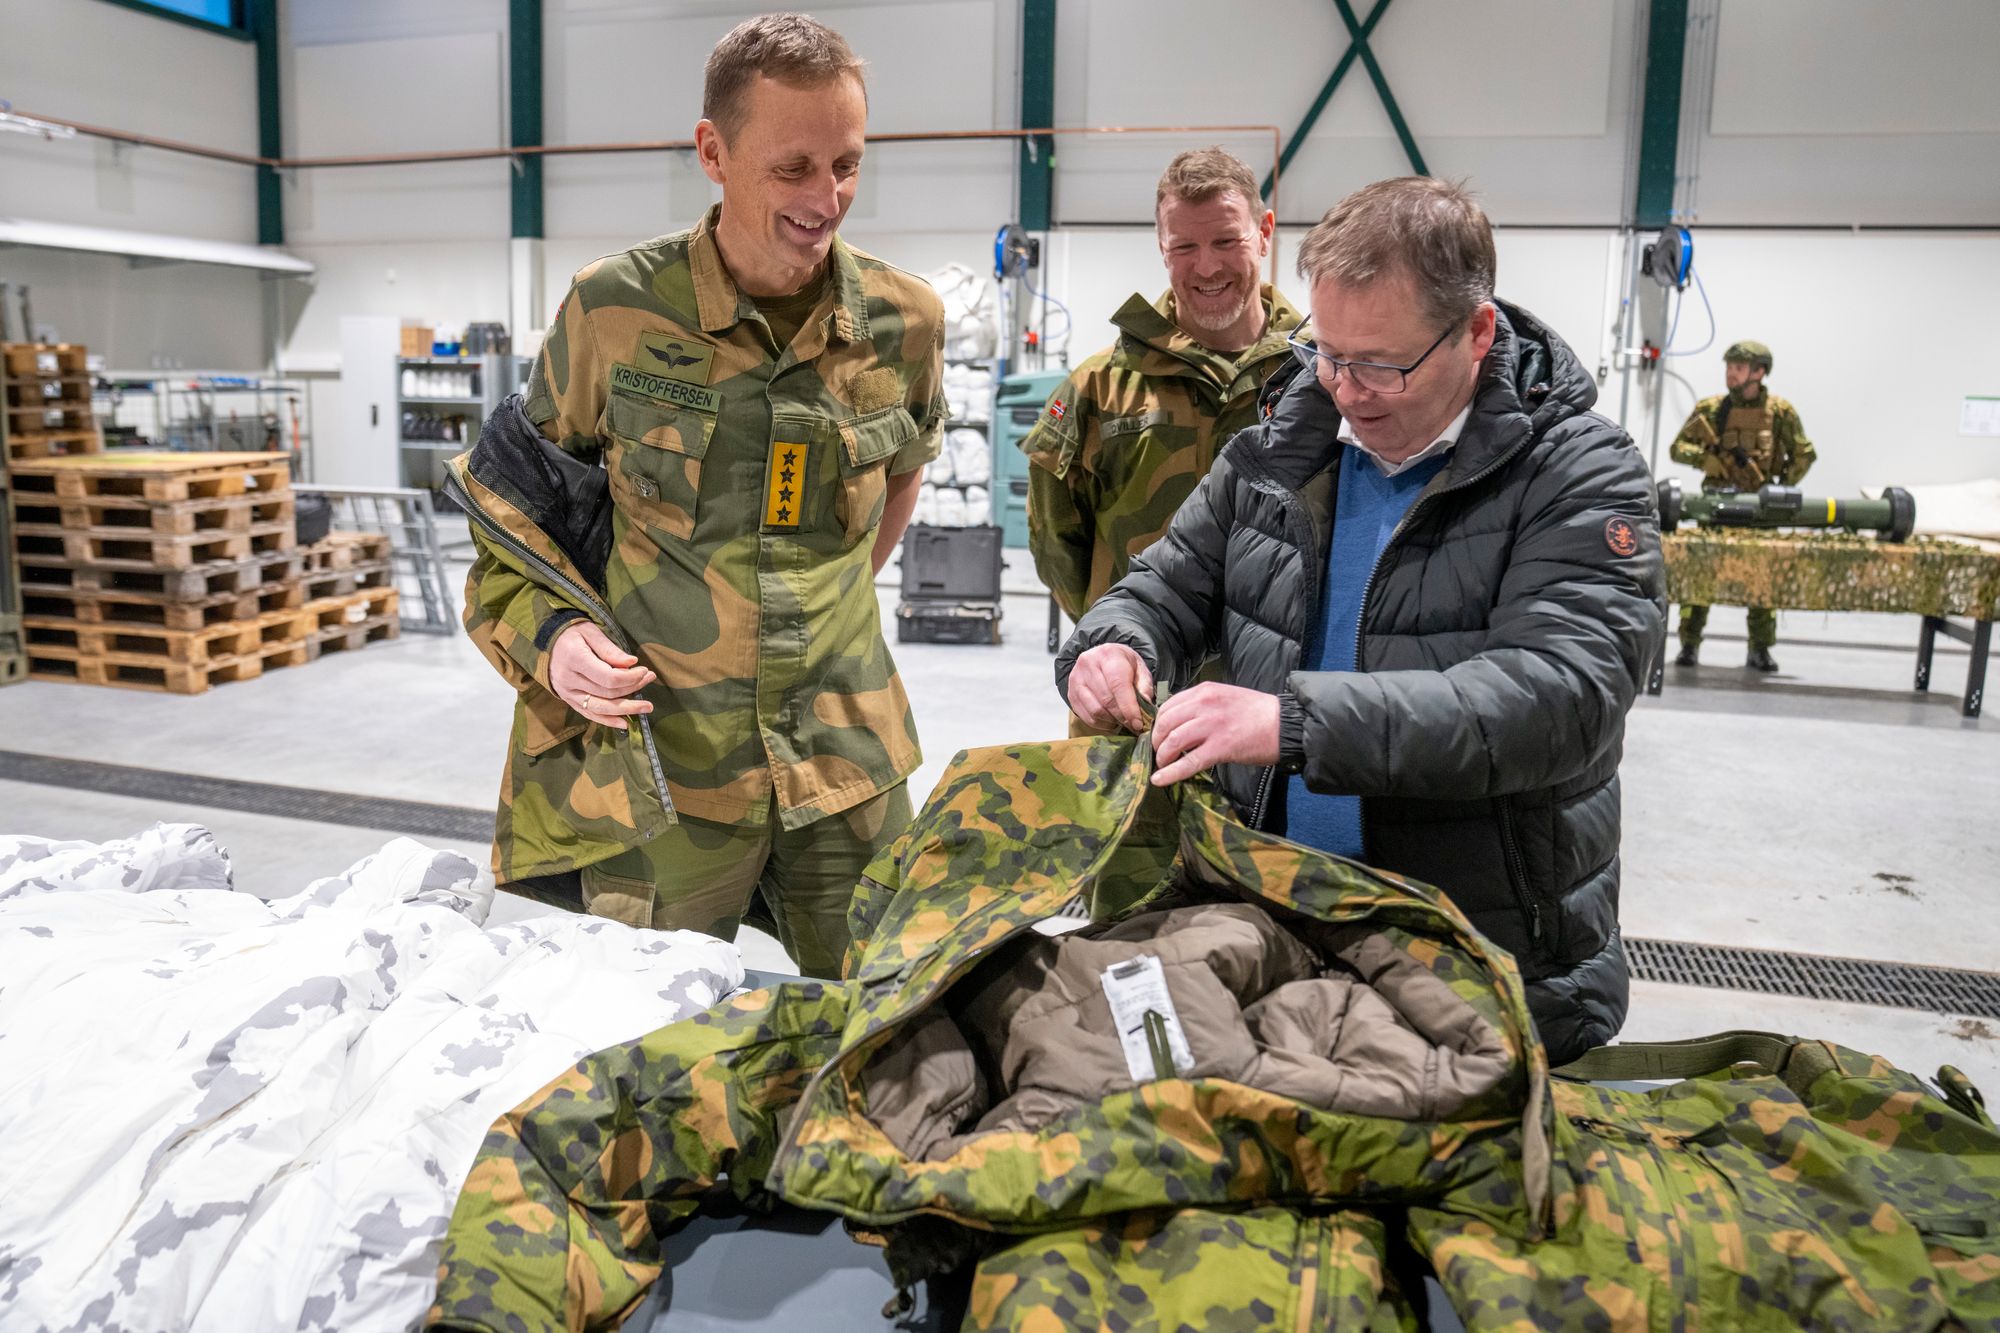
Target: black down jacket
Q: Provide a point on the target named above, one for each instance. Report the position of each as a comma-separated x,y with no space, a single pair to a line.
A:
1509,624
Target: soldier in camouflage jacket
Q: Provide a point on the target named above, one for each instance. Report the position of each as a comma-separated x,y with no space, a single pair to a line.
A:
1742,440
762,454
1125,438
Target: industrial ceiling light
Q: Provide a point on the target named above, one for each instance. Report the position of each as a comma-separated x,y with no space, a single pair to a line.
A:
19,124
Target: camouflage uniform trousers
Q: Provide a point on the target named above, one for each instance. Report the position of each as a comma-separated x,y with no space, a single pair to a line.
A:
795,883
1763,626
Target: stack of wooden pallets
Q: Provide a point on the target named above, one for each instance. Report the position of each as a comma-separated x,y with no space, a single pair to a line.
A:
177,571
45,397
350,586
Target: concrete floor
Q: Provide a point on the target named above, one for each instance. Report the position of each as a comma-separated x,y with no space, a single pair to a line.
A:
1824,810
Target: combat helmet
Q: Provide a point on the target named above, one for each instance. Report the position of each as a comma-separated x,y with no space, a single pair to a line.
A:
1756,353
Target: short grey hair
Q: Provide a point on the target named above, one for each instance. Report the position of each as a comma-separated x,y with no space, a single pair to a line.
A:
1430,230
792,48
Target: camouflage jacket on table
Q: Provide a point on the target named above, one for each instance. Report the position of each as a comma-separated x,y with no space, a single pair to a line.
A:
1741,446
748,483
1781,1185
1832,571
1123,441
1233,1205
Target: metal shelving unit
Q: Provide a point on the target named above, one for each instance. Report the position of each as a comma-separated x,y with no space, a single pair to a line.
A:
452,395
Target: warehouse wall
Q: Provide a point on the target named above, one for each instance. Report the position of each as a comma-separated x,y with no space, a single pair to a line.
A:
1800,114
105,65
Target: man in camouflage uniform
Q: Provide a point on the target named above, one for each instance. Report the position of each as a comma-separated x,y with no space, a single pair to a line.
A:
764,399
1124,440
1742,440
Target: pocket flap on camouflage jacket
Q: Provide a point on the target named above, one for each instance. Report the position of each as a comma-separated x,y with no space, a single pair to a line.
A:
877,436
660,425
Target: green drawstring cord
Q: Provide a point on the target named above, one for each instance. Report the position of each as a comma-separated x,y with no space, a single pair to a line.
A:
1156,1042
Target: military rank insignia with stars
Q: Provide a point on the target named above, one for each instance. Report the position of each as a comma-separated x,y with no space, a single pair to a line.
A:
785,485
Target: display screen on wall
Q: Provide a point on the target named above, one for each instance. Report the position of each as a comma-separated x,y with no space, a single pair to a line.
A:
217,13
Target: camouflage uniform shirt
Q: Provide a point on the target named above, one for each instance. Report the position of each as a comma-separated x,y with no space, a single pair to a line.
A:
1124,440
1772,441
748,483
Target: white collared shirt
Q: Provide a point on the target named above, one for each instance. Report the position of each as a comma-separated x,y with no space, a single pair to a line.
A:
1444,443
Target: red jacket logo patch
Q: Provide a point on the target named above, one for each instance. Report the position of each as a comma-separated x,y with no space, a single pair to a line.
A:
1621,536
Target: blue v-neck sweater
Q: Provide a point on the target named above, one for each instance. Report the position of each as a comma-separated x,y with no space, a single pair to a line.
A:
1366,511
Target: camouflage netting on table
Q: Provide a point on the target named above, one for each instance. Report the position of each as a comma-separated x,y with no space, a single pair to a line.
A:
1832,571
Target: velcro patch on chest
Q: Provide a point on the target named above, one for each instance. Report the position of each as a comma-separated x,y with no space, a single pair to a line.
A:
873,390
785,484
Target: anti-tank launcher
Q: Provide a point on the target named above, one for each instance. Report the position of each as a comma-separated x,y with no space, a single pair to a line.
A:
1892,517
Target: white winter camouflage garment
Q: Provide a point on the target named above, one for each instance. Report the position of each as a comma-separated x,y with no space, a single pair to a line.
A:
220,1112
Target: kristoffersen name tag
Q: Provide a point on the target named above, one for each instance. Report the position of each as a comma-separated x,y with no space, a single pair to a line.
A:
631,379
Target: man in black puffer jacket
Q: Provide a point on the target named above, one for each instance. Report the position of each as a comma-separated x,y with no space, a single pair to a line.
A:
1434,580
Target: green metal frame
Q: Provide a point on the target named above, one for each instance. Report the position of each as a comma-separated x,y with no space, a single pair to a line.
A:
270,128
524,112
1357,49
239,30
1360,37
1038,111
1660,124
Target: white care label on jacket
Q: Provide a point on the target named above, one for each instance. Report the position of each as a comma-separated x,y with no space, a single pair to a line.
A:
1148,1027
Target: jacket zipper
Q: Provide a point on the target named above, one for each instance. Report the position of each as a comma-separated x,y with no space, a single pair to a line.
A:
1517,871
585,597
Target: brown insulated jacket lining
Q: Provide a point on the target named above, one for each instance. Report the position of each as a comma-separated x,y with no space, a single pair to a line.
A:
1030,1035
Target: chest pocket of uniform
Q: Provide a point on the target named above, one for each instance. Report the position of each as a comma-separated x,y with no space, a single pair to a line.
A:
867,444
656,471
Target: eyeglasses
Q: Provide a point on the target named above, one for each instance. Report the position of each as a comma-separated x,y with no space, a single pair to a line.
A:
1373,376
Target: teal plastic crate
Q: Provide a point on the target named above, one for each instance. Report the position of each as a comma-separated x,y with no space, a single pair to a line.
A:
1016,407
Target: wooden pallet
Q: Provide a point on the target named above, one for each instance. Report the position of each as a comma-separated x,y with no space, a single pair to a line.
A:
197,583
48,392
173,518
111,607
156,476
133,549
352,608
346,638
342,582
354,621
346,550
214,643
35,360
52,444
29,418
138,672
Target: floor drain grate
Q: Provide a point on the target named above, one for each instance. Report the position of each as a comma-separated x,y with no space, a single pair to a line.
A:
1940,990
422,818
